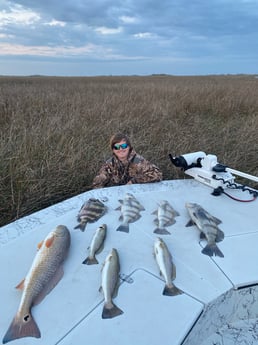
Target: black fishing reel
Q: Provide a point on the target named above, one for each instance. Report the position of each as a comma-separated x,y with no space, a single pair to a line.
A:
188,161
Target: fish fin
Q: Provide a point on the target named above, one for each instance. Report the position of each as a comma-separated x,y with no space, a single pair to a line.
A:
212,249
220,235
118,208
40,244
156,221
49,241
22,326
171,290
170,222
120,218
172,211
110,310
100,248
50,286
20,286
202,235
90,261
216,220
162,231
81,226
123,228
190,223
135,218
115,292
173,275
155,212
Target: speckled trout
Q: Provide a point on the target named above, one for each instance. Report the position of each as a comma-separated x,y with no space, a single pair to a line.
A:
208,226
167,267
97,244
45,272
109,284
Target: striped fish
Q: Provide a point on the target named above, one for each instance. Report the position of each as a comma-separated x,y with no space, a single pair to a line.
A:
165,217
208,227
90,212
130,211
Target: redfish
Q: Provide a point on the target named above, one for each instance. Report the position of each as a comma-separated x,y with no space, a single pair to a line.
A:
45,272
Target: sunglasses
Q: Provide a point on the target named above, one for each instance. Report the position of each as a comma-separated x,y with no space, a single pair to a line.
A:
122,146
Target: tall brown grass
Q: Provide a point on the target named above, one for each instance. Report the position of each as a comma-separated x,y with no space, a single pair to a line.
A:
55,131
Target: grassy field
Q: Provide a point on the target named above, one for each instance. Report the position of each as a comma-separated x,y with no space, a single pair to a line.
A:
55,131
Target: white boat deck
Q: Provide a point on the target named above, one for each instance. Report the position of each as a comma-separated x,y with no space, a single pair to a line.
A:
220,300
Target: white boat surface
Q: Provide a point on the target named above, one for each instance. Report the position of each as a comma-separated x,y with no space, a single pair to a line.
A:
219,304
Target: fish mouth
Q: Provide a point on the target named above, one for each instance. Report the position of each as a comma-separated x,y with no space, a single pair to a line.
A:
60,231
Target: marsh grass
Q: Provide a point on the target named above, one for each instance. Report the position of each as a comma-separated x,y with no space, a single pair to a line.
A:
55,131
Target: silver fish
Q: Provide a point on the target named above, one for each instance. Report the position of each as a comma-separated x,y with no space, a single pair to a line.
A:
90,212
167,267
208,226
96,245
165,217
109,284
130,211
45,272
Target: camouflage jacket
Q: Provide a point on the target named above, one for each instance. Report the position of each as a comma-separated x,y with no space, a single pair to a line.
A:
137,170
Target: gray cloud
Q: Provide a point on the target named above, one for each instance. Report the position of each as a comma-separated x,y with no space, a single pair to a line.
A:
130,30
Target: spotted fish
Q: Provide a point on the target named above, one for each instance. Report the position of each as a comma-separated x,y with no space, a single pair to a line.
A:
45,272
96,245
109,284
167,267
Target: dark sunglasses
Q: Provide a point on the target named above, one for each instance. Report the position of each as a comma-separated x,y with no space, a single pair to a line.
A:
122,146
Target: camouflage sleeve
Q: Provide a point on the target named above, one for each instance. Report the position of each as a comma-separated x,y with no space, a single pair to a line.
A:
102,179
143,171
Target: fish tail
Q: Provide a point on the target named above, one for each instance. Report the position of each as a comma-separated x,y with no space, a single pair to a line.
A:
110,310
81,226
212,249
90,261
162,231
21,327
123,228
171,290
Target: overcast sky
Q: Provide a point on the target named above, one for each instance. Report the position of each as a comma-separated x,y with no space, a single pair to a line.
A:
125,37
